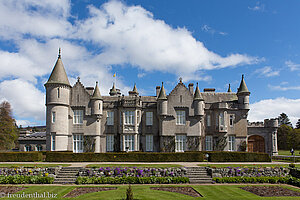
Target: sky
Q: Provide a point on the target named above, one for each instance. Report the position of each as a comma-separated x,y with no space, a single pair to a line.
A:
210,42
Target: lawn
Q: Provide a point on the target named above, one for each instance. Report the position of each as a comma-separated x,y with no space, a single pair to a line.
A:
288,153
133,165
244,165
143,192
32,165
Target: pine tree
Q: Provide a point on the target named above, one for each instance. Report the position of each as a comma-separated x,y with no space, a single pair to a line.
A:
298,124
284,119
8,130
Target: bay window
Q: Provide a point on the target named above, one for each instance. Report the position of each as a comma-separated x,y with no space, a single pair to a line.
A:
180,117
180,143
78,117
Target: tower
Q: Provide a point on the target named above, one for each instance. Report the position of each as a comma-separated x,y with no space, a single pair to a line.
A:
57,108
97,107
243,95
162,101
198,102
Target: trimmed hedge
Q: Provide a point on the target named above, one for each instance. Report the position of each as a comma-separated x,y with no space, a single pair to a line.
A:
227,156
262,179
21,156
124,157
132,180
19,179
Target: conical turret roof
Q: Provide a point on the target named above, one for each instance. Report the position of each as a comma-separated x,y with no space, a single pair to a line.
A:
58,74
162,94
96,94
243,87
134,89
113,90
229,89
197,95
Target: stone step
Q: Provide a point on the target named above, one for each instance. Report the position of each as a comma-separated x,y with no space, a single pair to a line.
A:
59,176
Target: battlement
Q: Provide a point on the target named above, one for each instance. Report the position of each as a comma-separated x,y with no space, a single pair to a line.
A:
268,123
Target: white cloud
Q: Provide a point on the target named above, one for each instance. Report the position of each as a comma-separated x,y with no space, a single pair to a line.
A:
26,100
292,66
210,30
283,88
272,108
266,71
141,75
130,34
258,7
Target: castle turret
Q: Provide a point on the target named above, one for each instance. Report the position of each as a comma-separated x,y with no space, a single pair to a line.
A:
162,101
134,92
57,108
243,95
96,102
198,102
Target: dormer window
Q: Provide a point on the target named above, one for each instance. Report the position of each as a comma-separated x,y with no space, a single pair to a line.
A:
180,117
78,117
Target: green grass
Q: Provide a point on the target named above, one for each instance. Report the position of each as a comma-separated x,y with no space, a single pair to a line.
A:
133,165
32,165
245,165
143,192
288,153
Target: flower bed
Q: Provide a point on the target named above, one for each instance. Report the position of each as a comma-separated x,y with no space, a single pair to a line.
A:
133,172
249,172
131,180
263,179
19,179
28,171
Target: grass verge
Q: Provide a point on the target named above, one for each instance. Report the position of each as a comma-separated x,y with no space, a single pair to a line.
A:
141,192
32,165
244,165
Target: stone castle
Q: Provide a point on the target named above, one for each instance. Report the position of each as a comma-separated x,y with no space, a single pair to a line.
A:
80,119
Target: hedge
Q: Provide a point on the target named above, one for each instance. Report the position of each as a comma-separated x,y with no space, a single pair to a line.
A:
132,180
227,156
262,179
21,156
19,179
124,157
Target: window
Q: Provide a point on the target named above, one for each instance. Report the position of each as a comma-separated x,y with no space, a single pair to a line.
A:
129,142
39,148
53,142
180,143
149,142
27,148
221,118
138,116
77,143
208,143
109,143
180,120
231,142
53,117
121,118
217,120
110,118
78,117
58,93
231,118
129,117
208,120
149,118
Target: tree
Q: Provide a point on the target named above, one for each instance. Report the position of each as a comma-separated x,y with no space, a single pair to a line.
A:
284,119
298,124
283,137
8,130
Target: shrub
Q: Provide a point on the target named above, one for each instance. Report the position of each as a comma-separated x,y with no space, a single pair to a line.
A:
263,179
122,156
131,180
225,156
129,193
18,179
21,156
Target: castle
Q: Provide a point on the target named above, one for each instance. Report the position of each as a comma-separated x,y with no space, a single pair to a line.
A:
80,119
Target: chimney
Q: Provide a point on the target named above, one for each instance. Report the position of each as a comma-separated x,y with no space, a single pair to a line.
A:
191,88
157,90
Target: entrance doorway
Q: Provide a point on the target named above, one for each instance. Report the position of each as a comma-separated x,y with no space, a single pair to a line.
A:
256,143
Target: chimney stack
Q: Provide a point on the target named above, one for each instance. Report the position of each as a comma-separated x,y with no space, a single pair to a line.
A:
157,90
191,88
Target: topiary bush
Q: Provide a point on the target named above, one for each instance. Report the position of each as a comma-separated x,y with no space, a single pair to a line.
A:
19,179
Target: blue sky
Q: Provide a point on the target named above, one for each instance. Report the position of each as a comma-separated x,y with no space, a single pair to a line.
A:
147,42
